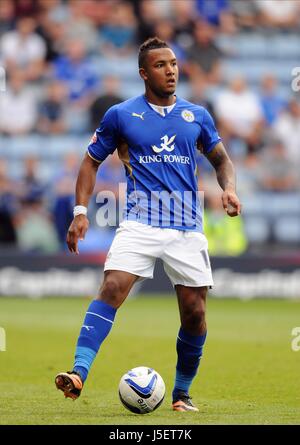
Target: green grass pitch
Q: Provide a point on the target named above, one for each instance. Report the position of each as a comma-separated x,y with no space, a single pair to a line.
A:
249,373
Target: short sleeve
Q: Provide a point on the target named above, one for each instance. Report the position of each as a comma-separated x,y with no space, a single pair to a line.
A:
105,139
209,136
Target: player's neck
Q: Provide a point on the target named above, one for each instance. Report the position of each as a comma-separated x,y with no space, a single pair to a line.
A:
160,101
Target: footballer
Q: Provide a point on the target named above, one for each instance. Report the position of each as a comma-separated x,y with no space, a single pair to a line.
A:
156,135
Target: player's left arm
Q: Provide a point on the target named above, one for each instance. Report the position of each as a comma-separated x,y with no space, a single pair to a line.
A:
219,159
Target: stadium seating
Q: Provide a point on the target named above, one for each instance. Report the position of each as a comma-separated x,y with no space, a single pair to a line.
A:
272,217
268,217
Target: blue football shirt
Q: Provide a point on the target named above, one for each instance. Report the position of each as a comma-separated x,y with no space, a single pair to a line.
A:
159,155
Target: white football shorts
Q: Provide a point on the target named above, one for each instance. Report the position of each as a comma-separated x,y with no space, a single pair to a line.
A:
136,247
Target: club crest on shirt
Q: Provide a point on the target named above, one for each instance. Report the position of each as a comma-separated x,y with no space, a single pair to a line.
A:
188,116
93,138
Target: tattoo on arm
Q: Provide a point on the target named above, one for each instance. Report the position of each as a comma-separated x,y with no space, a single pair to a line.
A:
221,162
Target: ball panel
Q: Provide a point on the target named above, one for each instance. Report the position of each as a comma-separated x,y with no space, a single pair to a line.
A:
131,408
159,403
141,390
144,392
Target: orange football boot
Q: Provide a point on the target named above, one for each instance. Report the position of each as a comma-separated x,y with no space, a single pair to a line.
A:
70,383
183,402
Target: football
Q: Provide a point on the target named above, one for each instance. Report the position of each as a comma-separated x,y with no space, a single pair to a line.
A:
141,390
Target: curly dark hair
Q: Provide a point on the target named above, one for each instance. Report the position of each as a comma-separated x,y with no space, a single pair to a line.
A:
151,43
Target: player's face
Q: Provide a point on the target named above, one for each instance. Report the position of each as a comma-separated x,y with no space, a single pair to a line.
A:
161,71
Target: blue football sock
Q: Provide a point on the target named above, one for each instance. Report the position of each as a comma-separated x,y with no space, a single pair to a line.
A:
189,351
96,326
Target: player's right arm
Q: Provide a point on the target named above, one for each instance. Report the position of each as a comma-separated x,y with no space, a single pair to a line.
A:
103,143
84,189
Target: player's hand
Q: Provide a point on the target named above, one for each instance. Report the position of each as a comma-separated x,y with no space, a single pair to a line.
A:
231,203
77,231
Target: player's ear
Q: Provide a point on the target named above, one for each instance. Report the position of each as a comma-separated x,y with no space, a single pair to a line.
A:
143,74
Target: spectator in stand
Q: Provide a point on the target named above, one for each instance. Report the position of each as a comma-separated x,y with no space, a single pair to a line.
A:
247,169
34,227
226,236
31,183
218,14
110,96
164,30
8,206
52,110
184,15
272,103
76,70
149,14
65,181
52,27
35,230
97,12
277,173
244,13
199,94
278,13
18,107
118,35
26,8
239,114
204,56
23,48
287,129
7,17
76,23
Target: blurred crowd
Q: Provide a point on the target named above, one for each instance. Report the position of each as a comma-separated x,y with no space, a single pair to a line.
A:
51,51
